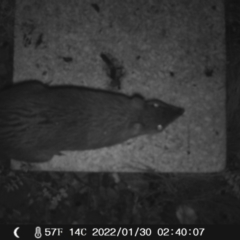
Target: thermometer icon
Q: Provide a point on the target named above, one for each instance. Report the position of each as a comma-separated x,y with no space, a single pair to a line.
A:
38,233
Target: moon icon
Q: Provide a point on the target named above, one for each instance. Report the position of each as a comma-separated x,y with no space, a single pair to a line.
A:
15,232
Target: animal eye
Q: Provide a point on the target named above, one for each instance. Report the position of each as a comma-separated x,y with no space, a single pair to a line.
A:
156,105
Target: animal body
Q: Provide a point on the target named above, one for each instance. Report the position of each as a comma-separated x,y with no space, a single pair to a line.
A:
38,122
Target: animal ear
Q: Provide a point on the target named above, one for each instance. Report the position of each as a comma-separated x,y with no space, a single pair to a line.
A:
136,128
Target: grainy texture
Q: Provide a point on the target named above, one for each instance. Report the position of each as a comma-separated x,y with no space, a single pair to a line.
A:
38,122
171,50
203,199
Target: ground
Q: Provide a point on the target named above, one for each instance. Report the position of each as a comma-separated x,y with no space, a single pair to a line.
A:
151,198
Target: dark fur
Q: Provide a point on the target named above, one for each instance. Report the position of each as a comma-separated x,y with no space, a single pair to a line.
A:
37,122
